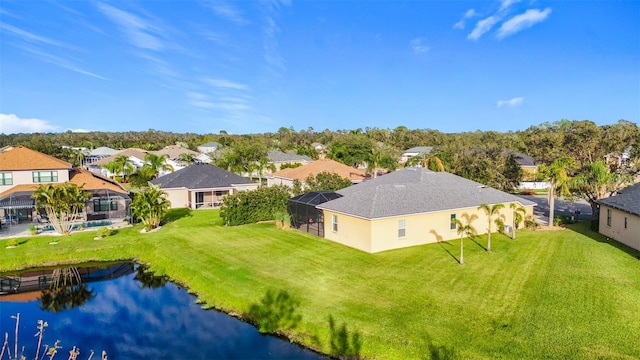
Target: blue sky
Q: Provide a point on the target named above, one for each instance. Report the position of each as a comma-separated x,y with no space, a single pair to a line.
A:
255,66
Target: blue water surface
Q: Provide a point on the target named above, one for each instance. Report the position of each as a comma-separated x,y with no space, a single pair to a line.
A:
130,321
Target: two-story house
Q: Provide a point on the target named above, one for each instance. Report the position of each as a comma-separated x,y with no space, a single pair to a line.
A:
22,170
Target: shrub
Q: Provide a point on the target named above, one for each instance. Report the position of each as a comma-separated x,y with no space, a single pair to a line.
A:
527,192
248,207
530,223
104,232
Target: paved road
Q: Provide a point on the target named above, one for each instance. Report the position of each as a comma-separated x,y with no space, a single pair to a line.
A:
562,207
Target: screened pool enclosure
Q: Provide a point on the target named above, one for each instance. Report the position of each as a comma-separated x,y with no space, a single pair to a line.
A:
304,214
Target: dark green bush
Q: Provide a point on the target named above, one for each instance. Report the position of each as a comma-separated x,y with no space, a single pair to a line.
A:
249,207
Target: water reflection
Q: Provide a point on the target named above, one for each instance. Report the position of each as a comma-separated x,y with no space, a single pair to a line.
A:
140,315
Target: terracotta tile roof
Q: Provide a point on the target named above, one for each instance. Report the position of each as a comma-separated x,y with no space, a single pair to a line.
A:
318,166
93,181
137,153
22,158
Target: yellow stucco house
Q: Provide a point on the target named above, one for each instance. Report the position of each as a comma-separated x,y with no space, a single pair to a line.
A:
201,186
620,216
408,207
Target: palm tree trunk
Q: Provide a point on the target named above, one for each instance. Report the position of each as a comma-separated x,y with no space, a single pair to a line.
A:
489,236
552,190
461,251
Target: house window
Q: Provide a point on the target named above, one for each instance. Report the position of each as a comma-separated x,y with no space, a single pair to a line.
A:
105,204
334,223
218,193
625,222
608,217
6,178
453,222
402,230
45,176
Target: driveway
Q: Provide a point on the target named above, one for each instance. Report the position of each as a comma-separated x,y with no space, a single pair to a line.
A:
561,207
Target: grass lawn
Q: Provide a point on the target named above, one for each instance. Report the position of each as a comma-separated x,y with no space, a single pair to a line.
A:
567,294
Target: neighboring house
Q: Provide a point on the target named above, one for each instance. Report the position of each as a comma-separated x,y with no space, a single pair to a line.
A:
619,159
277,158
620,216
98,154
173,153
526,162
408,207
201,185
320,148
415,151
136,156
208,147
22,170
287,176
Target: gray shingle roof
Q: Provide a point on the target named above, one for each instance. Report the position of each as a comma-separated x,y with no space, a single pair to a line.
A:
210,144
627,200
279,156
521,159
414,191
200,176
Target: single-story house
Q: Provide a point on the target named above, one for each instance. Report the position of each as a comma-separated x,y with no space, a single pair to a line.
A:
209,147
287,176
98,153
620,216
173,152
526,162
201,185
411,206
278,158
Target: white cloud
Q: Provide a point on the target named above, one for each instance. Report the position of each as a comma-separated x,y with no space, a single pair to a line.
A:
63,63
31,37
418,47
228,12
222,83
140,32
12,124
506,4
511,102
482,27
461,24
522,21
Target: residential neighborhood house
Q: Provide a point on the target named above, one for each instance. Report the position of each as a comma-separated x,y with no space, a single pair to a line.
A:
208,147
620,216
201,185
288,175
278,158
22,170
408,207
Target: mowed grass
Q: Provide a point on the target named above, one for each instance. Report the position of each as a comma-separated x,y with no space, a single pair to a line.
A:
567,294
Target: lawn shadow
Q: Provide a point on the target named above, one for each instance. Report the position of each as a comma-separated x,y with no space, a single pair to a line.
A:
176,214
442,244
584,228
275,312
473,238
344,345
438,352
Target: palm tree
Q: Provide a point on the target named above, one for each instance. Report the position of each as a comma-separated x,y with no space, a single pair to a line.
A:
518,215
463,230
187,158
433,163
262,165
62,203
558,175
150,205
112,167
124,166
157,163
491,211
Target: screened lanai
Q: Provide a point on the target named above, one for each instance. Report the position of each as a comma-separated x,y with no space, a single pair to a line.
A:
304,214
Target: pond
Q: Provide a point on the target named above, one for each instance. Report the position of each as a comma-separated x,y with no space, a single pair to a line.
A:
130,313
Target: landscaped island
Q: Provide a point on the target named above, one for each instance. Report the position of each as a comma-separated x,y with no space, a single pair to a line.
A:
566,294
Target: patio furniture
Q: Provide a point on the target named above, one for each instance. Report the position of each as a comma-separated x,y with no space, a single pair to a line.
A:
14,218
7,219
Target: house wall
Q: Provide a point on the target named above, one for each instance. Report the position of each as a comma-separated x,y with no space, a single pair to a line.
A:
382,234
279,181
629,236
26,177
178,198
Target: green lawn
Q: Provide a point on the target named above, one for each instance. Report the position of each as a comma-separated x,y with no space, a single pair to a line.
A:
566,294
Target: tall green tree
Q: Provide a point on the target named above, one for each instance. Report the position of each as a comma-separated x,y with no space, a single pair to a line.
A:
62,204
326,181
352,149
465,230
186,158
491,211
595,181
150,206
558,176
124,166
